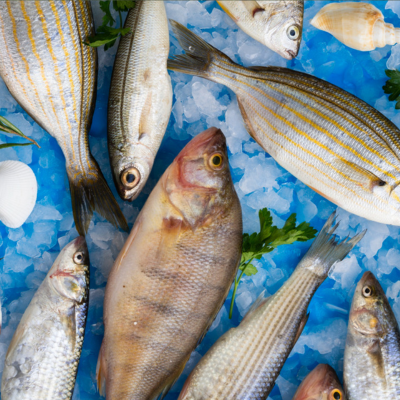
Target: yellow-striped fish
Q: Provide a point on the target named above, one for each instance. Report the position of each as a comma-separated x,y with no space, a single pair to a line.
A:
335,143
52,75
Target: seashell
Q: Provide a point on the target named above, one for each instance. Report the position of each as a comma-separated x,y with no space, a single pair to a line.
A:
360,26
18,191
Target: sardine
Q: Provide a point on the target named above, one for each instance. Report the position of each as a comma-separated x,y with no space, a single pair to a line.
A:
276,24
140,97
329,139
372,355
173,273
245,362
52,75
321,383
42,359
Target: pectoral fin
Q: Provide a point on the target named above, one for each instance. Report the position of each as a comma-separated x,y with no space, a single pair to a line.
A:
101,371
301,327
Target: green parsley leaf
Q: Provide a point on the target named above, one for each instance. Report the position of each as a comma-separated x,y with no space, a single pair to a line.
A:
108,19
8,127
392,86
249,270
123,5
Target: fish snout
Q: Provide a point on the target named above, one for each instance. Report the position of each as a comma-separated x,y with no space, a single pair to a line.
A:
290,54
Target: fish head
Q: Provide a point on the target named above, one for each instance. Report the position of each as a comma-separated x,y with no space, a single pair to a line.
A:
69,276
199,180
371,315
320,384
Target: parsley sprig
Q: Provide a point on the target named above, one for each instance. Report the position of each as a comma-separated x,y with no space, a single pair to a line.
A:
270,237
392,86
107,34
8,127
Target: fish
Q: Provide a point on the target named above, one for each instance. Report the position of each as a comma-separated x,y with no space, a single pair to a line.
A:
333,142
52,75
360,26
245,362
321,383
372,355
140,97
42,360
276,24
173,274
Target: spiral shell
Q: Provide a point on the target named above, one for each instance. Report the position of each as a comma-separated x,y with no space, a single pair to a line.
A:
18,191
360,26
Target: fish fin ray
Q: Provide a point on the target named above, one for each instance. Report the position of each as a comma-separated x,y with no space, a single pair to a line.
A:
246,119
261,300
101,372
303,323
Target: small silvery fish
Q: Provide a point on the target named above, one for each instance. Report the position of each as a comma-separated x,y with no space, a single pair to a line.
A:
52,75
321,383
173,273
330,140
43,356
372,355
140,97
245,362
276,24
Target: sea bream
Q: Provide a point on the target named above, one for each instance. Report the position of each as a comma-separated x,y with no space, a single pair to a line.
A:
140,99
173,273
42,359
52,75
276,24
372,354
333,142
245,362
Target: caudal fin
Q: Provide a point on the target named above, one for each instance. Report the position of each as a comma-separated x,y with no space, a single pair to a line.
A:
91,193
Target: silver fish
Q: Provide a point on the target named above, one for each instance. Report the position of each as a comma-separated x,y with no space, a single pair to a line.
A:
372,355
43,356
245,362
52,75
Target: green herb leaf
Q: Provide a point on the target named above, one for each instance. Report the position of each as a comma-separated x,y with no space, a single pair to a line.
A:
123,5
7,126
5,145
270,237
108,19
392,86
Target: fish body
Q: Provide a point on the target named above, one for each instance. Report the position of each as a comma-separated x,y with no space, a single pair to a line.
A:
52,75
372,354
173,273
333,142
140,97
245,362
321,383
42,359
276,24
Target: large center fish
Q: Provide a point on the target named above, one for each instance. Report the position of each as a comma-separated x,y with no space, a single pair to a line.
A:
245,362
52,75
173,273
333,142
140,97
276,24
321,383
43,356
372,355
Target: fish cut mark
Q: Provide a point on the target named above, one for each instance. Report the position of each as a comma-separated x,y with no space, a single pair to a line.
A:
257,10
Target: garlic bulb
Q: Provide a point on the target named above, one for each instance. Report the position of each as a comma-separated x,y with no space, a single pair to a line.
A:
360,26
18,191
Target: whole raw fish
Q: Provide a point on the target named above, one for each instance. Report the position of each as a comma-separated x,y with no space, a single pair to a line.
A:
245,362
276,24
321,383
52,75
372,355
140,97
333,142
173,273
43,356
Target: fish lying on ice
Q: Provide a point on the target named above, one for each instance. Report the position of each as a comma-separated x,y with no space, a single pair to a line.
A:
173,273
52,75
42,359
245,362
321,383
372,355
330,140
140,97
276,24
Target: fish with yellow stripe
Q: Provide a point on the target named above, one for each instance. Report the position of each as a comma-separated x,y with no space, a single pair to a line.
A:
332,141
52,75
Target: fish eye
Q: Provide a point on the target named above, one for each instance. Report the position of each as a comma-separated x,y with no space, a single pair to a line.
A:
381,183
79,257
336,394
367,291
293,32
216,161
130,177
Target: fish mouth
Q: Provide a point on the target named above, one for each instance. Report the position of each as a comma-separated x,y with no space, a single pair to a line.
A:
290,54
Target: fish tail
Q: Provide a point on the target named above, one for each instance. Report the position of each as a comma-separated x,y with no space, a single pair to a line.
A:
327,249
91,193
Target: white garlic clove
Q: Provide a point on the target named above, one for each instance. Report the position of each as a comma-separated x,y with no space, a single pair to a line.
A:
18,192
